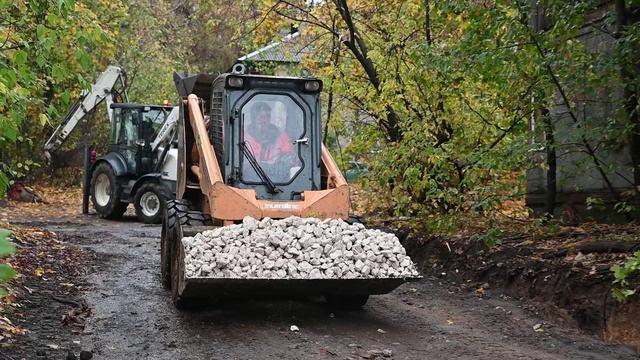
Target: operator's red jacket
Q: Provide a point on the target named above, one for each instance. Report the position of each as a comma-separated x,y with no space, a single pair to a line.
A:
282,145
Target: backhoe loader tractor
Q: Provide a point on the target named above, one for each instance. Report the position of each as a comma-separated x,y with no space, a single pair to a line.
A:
141,163
250,145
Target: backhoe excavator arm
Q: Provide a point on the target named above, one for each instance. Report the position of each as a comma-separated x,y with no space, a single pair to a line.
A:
103,89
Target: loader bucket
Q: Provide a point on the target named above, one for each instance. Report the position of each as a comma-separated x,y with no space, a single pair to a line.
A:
200,85
228,288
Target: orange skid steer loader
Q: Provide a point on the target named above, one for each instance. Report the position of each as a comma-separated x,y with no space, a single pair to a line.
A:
250,145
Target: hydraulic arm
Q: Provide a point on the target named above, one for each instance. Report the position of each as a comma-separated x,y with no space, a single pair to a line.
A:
103,89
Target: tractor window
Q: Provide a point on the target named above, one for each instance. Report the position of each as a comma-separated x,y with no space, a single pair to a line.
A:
271,125
152,122
117,125
128,128
126,135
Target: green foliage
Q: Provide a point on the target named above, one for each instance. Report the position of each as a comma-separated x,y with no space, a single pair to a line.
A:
624,207
162,37
52,49
595,203
545,227
221,30
627,277
440,111
464,89
48,50
6,248
152,44
492,238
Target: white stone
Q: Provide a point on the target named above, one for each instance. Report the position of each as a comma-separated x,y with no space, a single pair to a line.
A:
295,248
305,267
316,253
315,274
327,249
280,263
329,273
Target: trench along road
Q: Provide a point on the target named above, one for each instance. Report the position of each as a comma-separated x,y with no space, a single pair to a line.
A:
133,318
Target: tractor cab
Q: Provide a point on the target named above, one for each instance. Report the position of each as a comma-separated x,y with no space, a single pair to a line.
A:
133,131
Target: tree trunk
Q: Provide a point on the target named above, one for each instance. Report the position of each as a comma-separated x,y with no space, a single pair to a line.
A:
358,47
427,21
335,59
549,139
629,72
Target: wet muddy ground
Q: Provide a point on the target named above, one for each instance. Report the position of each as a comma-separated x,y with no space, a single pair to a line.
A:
132,317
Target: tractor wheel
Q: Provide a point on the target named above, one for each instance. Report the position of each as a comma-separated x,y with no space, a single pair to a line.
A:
105,193
149,202
178,216
171,212
349,302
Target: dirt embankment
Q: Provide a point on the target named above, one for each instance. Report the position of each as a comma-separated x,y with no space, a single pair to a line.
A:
567,273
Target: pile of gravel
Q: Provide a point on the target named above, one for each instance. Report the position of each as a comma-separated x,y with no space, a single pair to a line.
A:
296,248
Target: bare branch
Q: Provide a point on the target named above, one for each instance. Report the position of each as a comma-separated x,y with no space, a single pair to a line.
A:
13,47
263,19
320,25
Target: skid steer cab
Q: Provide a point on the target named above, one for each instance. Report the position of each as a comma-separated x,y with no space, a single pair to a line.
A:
140,166
251,145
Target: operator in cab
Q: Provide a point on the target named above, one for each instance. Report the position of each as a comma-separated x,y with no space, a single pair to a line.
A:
270,144
267,141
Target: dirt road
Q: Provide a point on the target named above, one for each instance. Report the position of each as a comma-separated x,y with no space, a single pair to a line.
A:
132,317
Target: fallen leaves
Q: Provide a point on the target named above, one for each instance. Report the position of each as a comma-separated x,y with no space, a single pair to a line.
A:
374,354
41,253
76,315
39,272
62,203
41,258
482,290
8,329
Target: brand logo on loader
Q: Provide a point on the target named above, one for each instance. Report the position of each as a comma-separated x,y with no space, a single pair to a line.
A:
281,206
